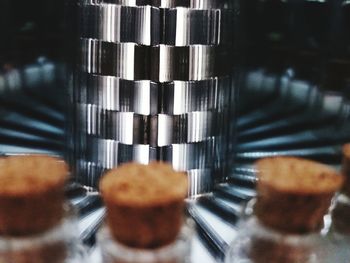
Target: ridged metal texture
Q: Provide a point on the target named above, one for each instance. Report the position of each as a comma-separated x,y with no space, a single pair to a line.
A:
155,82
280,113
314,125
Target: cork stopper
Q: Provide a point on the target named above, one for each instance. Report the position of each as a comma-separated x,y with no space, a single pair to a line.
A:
294,194
346,169
144,203
31,193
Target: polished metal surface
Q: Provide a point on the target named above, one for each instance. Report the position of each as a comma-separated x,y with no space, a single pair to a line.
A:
159,63
187,156
116,94
280,114
157,130
148,98
155,82
117,23
148,25
216,213
197,4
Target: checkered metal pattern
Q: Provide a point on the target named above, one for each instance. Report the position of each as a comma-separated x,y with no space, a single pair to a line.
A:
155,82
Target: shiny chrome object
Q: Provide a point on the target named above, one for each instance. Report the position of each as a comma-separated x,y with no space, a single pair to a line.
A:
141,24
161,63
197,4
155,82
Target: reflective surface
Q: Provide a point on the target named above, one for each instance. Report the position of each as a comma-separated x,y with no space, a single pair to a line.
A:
154,84
257,243
178,251
153,26
293,101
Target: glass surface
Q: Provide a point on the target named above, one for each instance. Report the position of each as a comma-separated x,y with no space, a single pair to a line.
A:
177,252
294,93
60,244
256,243
339,233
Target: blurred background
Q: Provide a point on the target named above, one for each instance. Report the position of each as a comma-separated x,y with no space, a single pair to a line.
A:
34,56
293,74
293,53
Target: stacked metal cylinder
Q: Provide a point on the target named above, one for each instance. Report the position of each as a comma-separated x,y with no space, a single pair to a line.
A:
155,82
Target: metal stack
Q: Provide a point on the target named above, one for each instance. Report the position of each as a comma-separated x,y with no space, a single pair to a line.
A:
155,82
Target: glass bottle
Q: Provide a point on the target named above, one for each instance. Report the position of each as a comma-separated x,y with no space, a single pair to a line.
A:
59,244
176,252
341,211
257,243
340,215
288,220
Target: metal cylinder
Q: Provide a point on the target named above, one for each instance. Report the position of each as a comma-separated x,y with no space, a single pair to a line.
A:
155,82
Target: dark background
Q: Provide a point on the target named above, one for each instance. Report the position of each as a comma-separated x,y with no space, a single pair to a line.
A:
312,37
276,34
30,29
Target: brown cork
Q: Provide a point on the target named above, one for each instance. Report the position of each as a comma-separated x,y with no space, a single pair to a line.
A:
294,194
31,194
144,203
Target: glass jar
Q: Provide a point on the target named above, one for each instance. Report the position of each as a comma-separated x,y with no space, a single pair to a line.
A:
176,252
58,245
341,206
341,215
256,243
339,232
